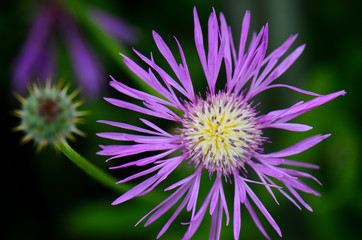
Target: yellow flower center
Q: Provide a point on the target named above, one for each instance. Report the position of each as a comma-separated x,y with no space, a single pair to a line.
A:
221,133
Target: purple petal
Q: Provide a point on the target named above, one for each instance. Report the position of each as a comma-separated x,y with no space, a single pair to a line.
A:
134,107
268,170
128,126
214,218
194,191
169,92
196,220
85,64
244,33
245,67
165,77
255,218
166,207
215,197
113,25
300,164
140,72
284,193
135,190
277,53
261,176
199,42
172,163
212,57
297,184
298,109
219,222
298,147
32,49
262,208
259,58
280,69
236,216
293,88
182,189
273,58
296,127
156,107
297,196
155,127
165,169
187,82
135,138
174,215
166,53
301,174
136,93
150,79
126,150
145,161
223,203
225,36
142,173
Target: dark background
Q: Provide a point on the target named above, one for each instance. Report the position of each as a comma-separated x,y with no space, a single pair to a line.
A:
45,196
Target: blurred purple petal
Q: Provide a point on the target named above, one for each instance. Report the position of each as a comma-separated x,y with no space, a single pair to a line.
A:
85,65
112,24
33,51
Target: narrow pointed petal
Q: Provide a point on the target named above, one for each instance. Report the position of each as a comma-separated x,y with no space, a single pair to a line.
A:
199,41
300,164
173,217
166,53
137,94
128,126
145,161
296,127
298,147
282,67
135,191
255,218
134,107
262,208
236,215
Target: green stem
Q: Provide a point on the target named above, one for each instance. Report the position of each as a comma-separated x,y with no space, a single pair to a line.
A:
103,177
92,170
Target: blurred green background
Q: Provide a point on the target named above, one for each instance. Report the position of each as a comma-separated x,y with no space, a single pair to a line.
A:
45,196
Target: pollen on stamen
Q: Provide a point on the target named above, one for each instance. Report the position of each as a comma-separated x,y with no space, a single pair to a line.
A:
228,133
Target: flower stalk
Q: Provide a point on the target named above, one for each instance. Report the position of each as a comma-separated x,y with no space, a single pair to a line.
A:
92,170
101,176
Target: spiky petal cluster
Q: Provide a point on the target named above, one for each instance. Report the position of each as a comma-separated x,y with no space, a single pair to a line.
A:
48,115
204,124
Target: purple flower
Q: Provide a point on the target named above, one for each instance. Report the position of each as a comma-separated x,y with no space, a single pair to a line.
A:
37,59
220,133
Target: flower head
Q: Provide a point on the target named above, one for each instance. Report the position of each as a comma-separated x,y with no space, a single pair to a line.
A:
48,115
221,133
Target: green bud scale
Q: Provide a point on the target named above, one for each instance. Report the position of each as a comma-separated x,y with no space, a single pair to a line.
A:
48,115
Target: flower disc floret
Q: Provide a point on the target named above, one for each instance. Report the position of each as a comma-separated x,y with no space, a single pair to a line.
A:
220,133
